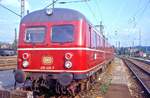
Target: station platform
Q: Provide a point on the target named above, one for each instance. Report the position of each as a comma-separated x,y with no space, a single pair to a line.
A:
118,91
118,87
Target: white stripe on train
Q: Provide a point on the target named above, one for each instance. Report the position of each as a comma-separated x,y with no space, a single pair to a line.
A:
78,48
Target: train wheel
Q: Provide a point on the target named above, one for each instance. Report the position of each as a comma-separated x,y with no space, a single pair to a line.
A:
63,90
96,75
57,89
82,86
74,89
88,85
104,68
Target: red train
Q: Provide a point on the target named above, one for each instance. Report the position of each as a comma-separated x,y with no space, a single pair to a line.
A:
59,48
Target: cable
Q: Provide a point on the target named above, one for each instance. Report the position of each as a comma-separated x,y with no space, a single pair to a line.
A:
94,16
145,8
98,6
139,18
140,14
51,4
137,7
63,2
10,10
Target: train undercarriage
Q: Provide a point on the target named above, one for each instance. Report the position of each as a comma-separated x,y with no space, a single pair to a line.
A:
51,86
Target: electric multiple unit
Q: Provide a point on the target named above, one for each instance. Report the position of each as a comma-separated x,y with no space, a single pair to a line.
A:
59,45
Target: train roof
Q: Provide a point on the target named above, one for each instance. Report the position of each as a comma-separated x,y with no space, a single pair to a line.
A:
59,14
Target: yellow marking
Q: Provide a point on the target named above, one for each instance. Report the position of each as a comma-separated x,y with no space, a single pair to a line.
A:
47,60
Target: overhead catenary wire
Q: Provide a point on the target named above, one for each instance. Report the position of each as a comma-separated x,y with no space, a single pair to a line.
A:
144,9
10,10
93,14
132,19
120,10
99,9
50,4
63,2
138,8
114,26
141,13
101,21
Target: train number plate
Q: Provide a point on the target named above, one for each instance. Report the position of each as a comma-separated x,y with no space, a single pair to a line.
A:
47,60
47,67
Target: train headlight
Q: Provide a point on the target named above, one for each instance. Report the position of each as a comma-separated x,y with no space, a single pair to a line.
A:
49,11
25,56
68,56
68,64
25,64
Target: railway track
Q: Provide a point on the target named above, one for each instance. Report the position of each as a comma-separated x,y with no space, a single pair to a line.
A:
143,60
8,62
142,72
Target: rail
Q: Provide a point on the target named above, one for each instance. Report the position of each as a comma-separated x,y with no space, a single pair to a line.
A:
142,75
8,62
146,61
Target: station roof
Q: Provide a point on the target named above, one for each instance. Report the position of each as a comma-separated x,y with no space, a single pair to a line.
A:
59,14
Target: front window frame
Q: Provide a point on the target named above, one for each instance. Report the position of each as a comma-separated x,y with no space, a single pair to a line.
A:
73,35
34,27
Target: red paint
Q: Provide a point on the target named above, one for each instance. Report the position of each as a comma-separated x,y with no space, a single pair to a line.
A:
81,59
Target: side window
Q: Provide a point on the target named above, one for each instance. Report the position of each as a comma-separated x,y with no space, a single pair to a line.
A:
89,36
98,41
103,42
93,39
106,45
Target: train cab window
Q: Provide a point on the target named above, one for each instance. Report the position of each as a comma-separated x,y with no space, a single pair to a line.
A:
62,33
35,35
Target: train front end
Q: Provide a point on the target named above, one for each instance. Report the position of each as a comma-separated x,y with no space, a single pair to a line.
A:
50,50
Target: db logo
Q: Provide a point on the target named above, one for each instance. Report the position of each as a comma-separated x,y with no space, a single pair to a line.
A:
47,60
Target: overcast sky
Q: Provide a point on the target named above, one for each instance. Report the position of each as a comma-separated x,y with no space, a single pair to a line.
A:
122,19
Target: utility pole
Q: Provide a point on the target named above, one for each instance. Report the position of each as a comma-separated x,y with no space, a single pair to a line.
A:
22,8
15,41
101,27
15,38
133,44
116,44
132,47
119,44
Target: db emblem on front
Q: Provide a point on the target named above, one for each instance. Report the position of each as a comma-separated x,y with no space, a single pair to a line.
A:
48,60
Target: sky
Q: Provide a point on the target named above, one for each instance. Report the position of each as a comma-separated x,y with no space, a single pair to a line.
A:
123,20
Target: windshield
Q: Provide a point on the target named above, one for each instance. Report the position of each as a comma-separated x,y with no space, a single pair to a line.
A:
35,35
62,33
